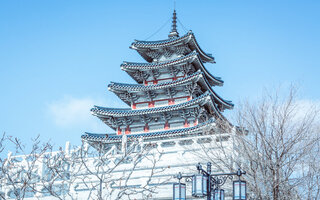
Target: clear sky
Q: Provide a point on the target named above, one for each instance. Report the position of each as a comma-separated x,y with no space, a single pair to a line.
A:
57,57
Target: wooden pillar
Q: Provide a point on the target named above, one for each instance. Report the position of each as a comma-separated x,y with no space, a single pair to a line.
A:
128,130
146,128
134,106
151,104
186,123
166,125
195,122
119,130
171,102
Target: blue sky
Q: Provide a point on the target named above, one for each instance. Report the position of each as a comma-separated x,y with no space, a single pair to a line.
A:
57,57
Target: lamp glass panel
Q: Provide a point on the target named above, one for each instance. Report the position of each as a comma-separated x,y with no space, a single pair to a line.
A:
236,190
198,186
179,192
243,190
216,194
183,191
204,184
221,194
193,185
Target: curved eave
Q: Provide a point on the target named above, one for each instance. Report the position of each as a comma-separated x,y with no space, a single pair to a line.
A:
188,38
192,57
113,112
132,66
120,87
205,57
225,104
112,138
212,79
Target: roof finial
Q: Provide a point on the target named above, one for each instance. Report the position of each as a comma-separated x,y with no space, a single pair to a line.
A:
174,32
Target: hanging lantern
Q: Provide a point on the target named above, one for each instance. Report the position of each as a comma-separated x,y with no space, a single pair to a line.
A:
199,185
217,194
179,191
239,190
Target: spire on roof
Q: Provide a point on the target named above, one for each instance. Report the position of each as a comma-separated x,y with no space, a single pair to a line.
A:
174,32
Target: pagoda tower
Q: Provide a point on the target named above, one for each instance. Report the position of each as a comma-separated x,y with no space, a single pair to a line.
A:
173,97
172,123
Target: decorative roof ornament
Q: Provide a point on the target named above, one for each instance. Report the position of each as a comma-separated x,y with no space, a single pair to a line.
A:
174,32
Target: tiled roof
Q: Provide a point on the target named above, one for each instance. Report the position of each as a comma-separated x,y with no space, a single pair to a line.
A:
103,111
186,39
191,57
157,65
119,88
161,43
226,104
138,87
112,138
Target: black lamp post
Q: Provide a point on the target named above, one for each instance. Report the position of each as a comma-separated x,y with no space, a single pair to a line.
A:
204,183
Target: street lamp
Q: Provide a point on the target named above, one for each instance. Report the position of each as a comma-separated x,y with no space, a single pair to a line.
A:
206,184
179,189
239,190
199,185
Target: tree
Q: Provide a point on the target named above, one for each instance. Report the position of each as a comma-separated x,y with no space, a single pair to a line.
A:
103,174
99,173
18,174
276,143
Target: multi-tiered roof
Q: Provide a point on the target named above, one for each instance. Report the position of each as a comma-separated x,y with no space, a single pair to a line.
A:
173,96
